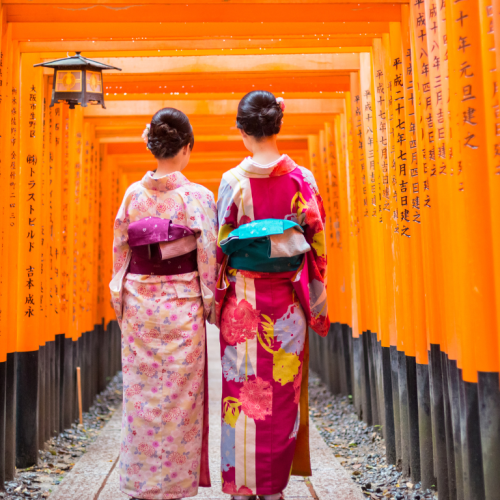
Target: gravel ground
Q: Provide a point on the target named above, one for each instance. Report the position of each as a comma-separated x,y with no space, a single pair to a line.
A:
61,452
359,448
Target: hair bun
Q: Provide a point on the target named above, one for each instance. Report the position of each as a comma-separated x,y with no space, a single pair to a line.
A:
259,114
170,131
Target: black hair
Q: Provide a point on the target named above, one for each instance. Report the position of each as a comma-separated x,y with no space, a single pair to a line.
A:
170,131
259,115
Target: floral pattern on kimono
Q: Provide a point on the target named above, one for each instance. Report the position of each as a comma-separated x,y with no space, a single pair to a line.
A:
163,345
263,319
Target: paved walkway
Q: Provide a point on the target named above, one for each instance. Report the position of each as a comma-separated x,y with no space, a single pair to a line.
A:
95,476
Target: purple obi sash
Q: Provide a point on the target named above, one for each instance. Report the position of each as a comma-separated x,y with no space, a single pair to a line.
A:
145,238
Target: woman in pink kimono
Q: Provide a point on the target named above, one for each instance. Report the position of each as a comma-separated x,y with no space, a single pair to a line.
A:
162,292
271,288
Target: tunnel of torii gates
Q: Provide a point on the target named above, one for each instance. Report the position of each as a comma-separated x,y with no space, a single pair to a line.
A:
393,106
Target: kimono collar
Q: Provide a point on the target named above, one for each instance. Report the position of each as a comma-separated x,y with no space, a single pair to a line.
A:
249,168
166,183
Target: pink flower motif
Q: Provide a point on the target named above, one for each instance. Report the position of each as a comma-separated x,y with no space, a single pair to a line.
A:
149,312
130,418
149,353
147,370
146,449
190,435
194,484
161,208
174,396
167,463
155,365
202,255
171,359
154,390
130,358
153,469
150,432
173,475
239,321
256,397
178,458
195,327
130,338
193,355
168,305
156,444
197,195
133,469
170,439
174,317
133,390
168,383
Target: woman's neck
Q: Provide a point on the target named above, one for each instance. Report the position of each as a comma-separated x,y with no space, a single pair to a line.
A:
167,166
265,151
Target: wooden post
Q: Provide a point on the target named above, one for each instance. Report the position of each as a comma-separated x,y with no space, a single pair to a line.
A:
29,272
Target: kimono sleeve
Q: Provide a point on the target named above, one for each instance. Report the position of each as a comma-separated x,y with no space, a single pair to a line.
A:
311,214
205,222
121,255
227,213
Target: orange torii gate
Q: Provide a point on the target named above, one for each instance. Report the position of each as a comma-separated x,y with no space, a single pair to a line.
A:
392,105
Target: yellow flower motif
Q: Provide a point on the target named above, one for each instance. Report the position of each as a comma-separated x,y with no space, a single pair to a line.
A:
231,411
319,243
285,366
224,232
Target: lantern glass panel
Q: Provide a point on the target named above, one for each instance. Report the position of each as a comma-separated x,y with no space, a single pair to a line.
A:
69,81
94,82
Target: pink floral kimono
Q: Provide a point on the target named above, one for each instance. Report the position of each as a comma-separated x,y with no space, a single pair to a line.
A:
263,318
164,452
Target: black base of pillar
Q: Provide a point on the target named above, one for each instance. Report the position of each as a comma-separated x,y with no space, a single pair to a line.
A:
404,414
42,404
438,423
452,483
67,384
10,417
471,443
454,395
425,427
395,401
411,379
27,409
489,418
389,432
3,394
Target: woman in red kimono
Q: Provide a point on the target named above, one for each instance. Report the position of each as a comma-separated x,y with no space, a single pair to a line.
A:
271,288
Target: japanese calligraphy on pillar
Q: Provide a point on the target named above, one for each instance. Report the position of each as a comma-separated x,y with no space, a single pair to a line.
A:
368,118
30,226
424,117
381,120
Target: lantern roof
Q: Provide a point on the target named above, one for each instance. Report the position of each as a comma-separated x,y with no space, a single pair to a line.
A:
74,61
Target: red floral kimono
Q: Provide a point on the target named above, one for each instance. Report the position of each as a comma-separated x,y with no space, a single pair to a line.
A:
264,319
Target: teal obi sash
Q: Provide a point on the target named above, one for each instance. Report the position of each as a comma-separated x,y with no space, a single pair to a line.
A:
269,245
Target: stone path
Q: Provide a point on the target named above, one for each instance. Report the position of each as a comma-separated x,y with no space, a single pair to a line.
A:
95,476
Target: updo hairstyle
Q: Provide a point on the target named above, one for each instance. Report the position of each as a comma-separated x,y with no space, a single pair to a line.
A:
259,115
169,132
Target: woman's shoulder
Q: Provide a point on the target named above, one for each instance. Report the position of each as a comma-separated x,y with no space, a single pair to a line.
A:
308,177
133,189
199,188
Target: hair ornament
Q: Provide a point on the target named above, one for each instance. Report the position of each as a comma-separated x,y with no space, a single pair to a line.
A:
145,133
281,102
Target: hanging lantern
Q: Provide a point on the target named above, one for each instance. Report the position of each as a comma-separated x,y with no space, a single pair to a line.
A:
77,80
